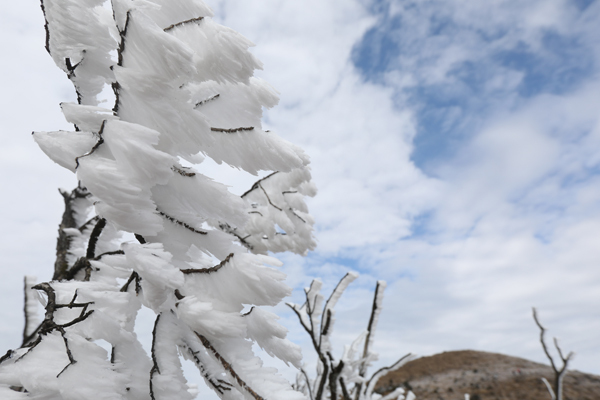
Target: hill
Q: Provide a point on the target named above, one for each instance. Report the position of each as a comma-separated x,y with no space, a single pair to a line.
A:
484,376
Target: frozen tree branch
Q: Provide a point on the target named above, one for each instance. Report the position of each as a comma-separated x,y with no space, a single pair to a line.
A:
228,367
556,389
334,376
232,130
128,164
181,223
192,20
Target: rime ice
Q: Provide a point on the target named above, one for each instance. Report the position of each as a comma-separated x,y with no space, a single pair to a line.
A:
184,89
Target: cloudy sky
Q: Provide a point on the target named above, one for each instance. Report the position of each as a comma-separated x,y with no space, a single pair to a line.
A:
455,145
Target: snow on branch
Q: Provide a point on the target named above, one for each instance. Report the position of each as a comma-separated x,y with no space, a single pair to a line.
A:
344,378
172,64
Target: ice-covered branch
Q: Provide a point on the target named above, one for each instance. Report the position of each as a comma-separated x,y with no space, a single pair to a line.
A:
206,343
556,390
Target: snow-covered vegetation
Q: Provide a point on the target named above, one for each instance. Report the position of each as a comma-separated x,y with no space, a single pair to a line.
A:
344,378
146,228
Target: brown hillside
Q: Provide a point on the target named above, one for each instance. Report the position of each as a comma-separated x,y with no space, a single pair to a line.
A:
484,376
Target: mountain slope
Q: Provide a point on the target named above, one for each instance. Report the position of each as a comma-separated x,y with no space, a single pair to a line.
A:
484,376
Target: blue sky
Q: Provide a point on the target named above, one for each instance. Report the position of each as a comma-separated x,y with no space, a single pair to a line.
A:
455,145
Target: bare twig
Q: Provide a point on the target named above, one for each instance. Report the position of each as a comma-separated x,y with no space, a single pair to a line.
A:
233,130
206,343
181,223
116,86
134,276
257,183
219,385
232,231
170,27
198,104
95,147
559,373
208,270
182,171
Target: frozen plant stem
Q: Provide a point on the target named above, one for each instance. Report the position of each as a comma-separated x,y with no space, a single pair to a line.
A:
334,376
556,389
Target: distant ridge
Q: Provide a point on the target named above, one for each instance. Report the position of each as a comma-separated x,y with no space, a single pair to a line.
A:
484,376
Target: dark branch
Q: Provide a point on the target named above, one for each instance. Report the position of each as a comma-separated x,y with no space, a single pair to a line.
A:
257,183
198,104
94,236
297,216
47,46
218,384
228,367
134,276
27,316
233,130
63,243
208,270
181,223
232,231
88,223
140,238
268,198
95,147
116,86
183,172
109,253
170,27
155,368
81,264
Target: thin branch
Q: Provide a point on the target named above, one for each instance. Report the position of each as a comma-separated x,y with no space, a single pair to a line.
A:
218,384
95,147
268,198
375,310
198,104
109,253
116,86
25,312
183,172
47,46
134,276
232,130
299,217
257,183
155,368
310,394
71,359
181,223
232,231
382,371
208,270
558,373
170,27
228,367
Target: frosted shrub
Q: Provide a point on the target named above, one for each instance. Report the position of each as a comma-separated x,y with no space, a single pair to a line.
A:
184,91
344,378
